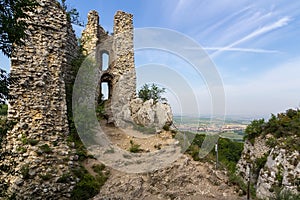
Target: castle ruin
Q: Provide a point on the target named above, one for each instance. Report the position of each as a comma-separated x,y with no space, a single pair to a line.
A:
35,153
120,74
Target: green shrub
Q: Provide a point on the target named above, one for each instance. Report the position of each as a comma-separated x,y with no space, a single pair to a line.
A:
25,171
46,176
64,178
271,142
260,163
194,152
134,148
45,148
284,127
238,181
148,92
88,186
3,109
100,110
98,168
21,149
229,151
166,127
24,139
281,194
33,142
254,129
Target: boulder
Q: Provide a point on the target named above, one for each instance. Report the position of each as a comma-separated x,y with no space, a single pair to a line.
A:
151,114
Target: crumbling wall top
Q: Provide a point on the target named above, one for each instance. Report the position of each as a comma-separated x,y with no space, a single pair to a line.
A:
123,21
93,18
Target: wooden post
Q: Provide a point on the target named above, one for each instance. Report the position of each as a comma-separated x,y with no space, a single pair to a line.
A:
248,186
217,156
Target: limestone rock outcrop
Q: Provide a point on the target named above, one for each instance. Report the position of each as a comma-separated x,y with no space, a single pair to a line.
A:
279,168
150,114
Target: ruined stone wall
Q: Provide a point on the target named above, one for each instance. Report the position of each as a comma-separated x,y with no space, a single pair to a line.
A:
123,71
90,36
120,74
35,153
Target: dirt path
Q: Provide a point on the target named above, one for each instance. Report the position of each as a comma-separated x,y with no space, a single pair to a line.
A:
147,142
183,179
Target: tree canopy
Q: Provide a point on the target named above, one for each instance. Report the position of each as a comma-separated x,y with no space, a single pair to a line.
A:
12,31
72,13
148,92
12,27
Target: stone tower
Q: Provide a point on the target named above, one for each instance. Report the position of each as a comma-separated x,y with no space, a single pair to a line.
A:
35,153
120,74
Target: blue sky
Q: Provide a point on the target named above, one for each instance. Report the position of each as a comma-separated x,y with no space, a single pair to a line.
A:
253,44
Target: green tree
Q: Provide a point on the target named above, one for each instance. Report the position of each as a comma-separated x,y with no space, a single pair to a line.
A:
12,31
12,27
254,129
72,13
148,92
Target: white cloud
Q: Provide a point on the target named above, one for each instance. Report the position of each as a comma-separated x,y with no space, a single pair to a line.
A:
241,50
265,29
275,91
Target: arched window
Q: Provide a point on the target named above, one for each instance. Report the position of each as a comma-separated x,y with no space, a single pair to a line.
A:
106,87
105,90
105,61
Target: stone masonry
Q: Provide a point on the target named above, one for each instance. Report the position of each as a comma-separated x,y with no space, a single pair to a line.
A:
35,152
122,107
120,75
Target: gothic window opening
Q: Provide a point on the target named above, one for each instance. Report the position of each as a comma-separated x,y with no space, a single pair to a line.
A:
105,90
106,87
105,61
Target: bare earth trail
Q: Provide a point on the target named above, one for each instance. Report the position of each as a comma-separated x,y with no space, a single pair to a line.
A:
183,179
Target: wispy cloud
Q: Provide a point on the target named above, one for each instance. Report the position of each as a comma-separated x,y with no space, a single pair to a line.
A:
241,50
265,29
220,23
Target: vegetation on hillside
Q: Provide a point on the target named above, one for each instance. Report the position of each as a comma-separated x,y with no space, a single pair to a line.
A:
281,131
229,153
284,130
228,150
148,92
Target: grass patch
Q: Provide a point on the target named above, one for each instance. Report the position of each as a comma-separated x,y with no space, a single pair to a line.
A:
25,171
45,148
88,186
65,178
33,142
3,109
21,149
134,148
239,182
46,176
98,168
